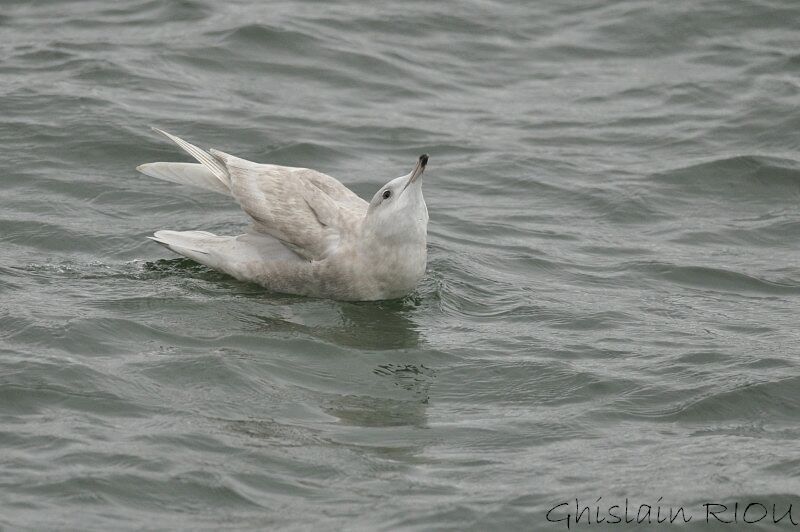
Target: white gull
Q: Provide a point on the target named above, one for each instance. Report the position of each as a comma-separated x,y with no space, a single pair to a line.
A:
310,235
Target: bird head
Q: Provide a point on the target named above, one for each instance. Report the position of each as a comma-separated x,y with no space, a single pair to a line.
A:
397,211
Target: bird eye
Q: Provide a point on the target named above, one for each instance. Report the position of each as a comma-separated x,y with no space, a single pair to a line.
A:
387,194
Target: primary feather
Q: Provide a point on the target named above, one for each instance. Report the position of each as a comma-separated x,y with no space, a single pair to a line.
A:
193,174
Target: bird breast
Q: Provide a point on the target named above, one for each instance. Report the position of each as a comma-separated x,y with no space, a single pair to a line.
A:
379,271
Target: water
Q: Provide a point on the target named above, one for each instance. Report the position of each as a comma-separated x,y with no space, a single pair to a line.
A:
610,307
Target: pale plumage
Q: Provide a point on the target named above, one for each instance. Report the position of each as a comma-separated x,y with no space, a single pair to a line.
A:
310,234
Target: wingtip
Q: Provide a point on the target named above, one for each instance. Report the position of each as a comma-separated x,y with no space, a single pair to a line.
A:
161,131
158,238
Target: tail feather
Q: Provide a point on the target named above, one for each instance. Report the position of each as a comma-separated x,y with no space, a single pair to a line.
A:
230,254
189,244
192,240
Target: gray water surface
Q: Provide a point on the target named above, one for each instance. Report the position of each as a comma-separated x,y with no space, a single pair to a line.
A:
610,307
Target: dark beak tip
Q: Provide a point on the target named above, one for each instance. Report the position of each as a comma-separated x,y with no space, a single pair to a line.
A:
423,159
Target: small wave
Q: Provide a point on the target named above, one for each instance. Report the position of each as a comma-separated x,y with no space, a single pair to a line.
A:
718,279
773,400
744,178
270,37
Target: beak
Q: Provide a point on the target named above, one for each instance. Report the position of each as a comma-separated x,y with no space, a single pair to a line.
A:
418,169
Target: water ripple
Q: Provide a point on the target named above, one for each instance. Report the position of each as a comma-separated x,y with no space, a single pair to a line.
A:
609,307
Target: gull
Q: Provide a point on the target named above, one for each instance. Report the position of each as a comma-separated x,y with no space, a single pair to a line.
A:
310,235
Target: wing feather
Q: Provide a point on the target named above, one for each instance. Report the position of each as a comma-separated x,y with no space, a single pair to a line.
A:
202,156
306,210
